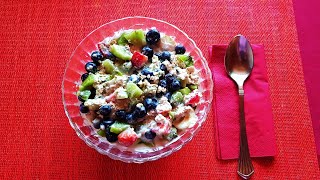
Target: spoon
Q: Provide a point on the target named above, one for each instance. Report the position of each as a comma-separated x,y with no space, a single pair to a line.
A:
238,62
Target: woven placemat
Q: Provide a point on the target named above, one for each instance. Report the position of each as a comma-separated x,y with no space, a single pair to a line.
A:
38,37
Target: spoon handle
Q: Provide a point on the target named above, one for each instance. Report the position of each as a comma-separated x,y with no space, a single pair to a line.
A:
245,167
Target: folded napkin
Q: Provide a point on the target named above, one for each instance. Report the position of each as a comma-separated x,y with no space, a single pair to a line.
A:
257,104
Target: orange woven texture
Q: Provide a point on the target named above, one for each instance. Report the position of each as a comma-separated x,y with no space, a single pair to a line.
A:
38,37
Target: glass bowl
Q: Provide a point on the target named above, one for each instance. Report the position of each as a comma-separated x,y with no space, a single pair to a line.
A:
75,67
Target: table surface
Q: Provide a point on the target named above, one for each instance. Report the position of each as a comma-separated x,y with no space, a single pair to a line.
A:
37,38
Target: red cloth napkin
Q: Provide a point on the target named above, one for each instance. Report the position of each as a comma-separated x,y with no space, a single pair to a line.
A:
258,113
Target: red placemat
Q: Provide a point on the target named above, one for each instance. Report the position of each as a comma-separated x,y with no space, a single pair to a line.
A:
37,38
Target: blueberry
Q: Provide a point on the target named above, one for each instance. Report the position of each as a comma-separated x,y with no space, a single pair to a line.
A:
134,78
175,85
92,94
169,78
110,56
147,71
165,55
134,117
96,123
150,134
121,114
83,108
152,36
163,68
111,137
139,111
130,118
180,49
107,122
163,83
168,95
150,103
91,67
84,76
148,52
105,110
96,56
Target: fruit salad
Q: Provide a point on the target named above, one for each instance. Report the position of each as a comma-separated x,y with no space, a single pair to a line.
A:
140,89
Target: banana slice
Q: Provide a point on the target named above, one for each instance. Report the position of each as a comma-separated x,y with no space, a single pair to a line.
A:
188,121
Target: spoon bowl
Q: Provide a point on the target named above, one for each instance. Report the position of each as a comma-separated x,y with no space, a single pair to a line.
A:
239,59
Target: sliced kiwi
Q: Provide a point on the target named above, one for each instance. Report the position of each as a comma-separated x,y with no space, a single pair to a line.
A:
84,94
186,59
87,83
117,127
122,40
133,90
108,66
185,91
101,133
121,52
176,98
118,72
193,87
173,134
136,37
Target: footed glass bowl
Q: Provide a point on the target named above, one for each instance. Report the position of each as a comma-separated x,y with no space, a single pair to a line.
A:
75,68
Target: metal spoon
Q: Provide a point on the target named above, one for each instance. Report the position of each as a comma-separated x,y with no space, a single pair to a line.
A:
239,63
